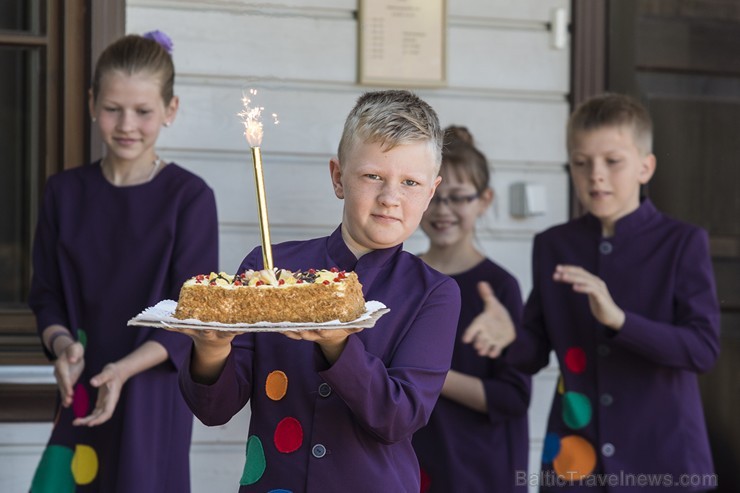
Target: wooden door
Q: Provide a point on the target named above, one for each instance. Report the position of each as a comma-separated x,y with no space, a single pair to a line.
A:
682,58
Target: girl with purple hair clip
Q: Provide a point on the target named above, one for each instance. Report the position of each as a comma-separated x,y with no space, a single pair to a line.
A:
117,235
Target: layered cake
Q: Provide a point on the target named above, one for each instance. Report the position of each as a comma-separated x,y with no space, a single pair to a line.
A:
277,295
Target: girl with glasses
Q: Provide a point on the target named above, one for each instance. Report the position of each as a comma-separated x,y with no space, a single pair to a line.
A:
477,436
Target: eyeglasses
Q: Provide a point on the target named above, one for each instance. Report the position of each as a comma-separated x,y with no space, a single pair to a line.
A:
454,200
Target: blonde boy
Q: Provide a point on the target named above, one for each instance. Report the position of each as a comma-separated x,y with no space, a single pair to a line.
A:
353,398
625,297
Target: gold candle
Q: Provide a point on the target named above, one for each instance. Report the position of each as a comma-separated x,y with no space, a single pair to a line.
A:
262,207
251,116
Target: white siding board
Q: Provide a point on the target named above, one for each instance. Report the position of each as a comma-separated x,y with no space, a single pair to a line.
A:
505,59
311,121
533,10
297,192
498,217
265,46
509,130
317,7
256,45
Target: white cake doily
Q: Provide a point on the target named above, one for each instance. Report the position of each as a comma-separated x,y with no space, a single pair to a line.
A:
161,315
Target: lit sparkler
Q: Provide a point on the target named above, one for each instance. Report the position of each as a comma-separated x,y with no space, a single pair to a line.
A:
253,131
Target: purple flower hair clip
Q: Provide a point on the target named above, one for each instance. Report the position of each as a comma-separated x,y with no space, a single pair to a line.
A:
160,38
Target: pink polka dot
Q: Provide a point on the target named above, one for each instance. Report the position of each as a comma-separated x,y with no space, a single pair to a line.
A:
575,360
80,401
288,435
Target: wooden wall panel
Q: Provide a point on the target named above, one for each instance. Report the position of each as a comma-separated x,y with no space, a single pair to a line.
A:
506,59
311,118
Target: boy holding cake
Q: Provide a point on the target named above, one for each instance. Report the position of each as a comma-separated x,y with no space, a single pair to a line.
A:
625,296
335,409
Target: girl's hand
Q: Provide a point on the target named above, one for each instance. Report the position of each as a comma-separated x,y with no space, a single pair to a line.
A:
109,383
67,370
492,330
600,301
331,341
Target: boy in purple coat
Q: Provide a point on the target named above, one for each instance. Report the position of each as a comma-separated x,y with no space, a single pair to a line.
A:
352,398
626,297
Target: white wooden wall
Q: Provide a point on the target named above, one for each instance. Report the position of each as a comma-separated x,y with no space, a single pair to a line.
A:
506,83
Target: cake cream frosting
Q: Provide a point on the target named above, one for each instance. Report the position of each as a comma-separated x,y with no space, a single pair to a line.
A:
272,296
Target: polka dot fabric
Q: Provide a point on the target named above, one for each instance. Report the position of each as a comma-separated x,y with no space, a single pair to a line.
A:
575,360
576,459
287,437
572,456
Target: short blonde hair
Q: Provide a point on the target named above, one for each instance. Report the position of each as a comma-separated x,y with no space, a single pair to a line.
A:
613,110
392,118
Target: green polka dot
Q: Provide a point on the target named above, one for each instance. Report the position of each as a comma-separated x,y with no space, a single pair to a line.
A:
82,337
576,410
254,468
54,474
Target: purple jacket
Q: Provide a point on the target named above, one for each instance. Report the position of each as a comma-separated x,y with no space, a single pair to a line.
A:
466,451
348,426
101,255
628,405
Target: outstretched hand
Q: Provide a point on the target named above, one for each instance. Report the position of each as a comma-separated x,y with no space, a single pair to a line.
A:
331,341
211,348
67,370
109,383
600,301
492,330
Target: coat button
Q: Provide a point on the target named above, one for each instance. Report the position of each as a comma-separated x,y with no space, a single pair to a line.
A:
606,400
608,449
324,390
603,350
605,248
318,451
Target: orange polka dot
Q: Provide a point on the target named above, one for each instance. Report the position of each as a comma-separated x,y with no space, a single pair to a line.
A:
576,459
276,385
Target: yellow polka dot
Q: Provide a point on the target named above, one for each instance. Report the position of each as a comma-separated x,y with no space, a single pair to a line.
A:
84,464
561,385
276,385
576,459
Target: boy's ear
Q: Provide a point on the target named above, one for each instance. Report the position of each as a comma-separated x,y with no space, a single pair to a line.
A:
335,170
433,189
647,168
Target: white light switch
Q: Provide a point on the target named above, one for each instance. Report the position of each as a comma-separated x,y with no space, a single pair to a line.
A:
527,199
